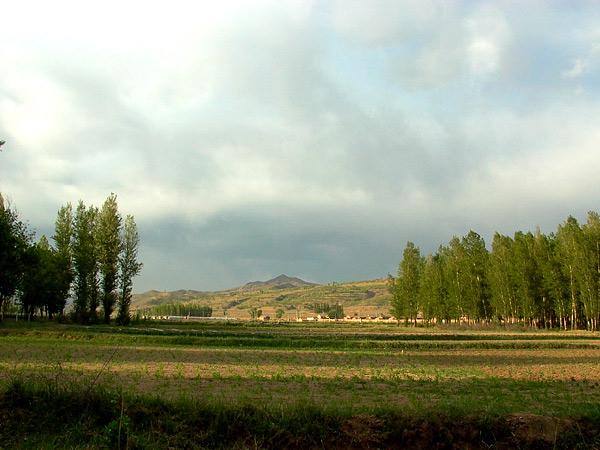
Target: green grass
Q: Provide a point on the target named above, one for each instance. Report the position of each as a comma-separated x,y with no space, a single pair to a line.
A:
36,416
295,385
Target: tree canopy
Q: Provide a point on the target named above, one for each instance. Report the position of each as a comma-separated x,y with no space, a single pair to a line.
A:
532,278
94,256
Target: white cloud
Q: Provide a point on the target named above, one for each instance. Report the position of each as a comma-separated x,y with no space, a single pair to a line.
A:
578,69
383,22
454,45
489,34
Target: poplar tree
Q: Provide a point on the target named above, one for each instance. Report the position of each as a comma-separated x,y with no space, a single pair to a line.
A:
590,279
41,289
14,241
32,284
547,274
406,286
454,276
556,281
526,276
432,296
500,271
94,275
63,237
109,246
84,263
53,298
570,239
129,267
474,263
535,279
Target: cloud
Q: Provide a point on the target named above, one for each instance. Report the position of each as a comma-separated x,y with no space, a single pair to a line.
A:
384,22
489,35
589,63
308,138
578,69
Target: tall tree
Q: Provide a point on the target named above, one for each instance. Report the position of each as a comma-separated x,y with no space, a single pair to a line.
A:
570,247
548,275
590,280
63,237
406,286
109,246
53,299
535,279
84,263
432,292
500,271
94,275
32,284
527,277
41,289
475,285
454,274
14,241
129,267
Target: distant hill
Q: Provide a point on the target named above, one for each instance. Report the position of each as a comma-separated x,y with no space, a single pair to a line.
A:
294,296
280,282
154,297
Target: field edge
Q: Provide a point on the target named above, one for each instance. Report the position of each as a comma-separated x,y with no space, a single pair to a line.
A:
35,416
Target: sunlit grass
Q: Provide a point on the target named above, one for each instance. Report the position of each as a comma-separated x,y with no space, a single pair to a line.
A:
381,374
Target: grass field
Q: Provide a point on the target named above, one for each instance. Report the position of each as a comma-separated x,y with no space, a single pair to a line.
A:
304,385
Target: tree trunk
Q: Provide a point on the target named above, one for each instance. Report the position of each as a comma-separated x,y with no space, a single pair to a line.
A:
573,305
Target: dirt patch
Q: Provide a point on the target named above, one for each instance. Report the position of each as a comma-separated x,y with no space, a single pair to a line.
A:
364,431
534,429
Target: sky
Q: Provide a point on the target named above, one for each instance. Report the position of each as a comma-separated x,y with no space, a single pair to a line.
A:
312,138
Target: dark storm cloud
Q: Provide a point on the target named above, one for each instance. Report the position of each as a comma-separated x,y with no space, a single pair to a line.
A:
310,139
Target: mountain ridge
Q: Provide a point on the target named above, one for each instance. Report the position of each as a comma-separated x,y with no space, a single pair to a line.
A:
279,282
294,296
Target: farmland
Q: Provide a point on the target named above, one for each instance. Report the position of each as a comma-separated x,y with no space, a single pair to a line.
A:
355,385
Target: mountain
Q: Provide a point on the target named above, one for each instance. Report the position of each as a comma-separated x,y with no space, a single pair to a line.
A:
291,296
154,297
280,282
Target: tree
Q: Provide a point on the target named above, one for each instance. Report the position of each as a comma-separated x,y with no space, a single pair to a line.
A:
63,237
109,247
94,275
432,292
405,288
570,237
552,283
129,267
454,277
279,313
84,263
538,280
500,276
255,313
474,284
336,311
41,289
527,277
590,279
14,241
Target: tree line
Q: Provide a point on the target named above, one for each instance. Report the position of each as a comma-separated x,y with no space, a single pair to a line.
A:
550,281
332,311
93,260
179,309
